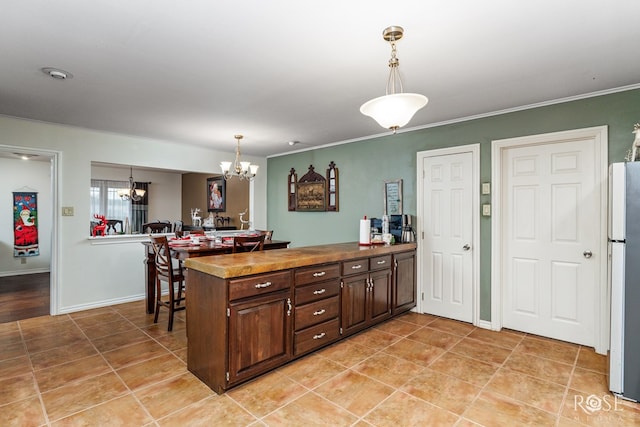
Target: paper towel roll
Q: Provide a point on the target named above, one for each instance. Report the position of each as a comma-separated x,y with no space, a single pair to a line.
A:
365,231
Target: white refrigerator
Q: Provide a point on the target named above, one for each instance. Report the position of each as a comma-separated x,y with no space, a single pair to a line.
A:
624,276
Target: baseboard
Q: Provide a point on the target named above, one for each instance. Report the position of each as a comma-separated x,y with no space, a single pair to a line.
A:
99,304
23,272
485,324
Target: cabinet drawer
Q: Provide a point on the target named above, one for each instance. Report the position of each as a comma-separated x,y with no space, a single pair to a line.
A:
317,312
379,262
317,273
316,336
355,266
317,291
258,285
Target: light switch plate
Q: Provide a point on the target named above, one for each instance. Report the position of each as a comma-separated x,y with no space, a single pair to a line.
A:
486,188
486,210
67,211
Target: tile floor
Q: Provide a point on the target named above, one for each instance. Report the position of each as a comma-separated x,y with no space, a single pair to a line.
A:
112,366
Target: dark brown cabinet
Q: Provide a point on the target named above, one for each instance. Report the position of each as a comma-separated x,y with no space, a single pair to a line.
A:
240,326
366,295
317,298
259,335
404,282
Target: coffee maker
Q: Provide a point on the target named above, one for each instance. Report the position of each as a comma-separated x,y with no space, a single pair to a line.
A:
408,233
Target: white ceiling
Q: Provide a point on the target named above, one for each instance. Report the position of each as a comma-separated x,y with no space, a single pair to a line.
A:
200,71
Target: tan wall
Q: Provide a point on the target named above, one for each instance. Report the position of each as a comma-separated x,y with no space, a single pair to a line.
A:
194,195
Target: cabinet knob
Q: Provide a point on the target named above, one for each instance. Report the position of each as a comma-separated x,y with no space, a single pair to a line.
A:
320,274
319,312
320,291
319,336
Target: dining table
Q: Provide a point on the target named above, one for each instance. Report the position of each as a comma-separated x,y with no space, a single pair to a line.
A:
184,249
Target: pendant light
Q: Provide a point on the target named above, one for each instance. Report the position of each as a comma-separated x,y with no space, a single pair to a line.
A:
133,193
243,170
396,108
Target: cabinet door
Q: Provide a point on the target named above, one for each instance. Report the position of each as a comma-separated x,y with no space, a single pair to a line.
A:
404,282
380,295
354,302
259,335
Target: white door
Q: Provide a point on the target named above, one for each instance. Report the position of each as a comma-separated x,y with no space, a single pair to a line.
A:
551,233
447,218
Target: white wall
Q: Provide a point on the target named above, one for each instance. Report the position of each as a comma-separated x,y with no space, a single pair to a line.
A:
88,274
36,175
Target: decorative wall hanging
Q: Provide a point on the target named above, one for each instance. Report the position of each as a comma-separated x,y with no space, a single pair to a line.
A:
292,181
25,224
332,188
313,192
216,194
393,197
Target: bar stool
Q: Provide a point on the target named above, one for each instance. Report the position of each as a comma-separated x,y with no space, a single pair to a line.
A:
165,272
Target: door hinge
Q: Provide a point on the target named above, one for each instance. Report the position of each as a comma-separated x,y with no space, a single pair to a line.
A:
340,331
422,235
341,284
228,312
227,376
422,296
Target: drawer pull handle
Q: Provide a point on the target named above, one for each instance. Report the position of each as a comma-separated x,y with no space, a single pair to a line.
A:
319,336
319,312
356,267
320,291
263,285
322,273
381,262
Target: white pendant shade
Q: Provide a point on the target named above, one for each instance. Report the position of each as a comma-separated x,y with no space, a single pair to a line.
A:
394,111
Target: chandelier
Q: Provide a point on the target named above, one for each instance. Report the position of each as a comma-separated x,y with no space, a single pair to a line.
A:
243,170
396,108
132,193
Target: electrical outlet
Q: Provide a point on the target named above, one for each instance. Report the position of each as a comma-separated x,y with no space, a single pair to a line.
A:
486,188
486,210
67,211
23,260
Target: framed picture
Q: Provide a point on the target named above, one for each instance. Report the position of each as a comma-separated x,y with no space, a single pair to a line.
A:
393,197
216,194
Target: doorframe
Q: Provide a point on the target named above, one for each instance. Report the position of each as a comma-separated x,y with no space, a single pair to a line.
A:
498,146
54,269
474,149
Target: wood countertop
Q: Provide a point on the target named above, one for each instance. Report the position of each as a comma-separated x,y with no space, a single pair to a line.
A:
246,264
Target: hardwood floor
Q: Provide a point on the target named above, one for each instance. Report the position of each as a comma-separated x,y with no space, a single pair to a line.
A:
24,296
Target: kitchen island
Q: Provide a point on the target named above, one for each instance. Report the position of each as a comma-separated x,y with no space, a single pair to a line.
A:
249,313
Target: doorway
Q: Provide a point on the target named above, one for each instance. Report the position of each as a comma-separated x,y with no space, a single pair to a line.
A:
31,290
448,210
549,256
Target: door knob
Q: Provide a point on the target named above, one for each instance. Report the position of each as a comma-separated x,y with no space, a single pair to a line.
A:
466,247
587,254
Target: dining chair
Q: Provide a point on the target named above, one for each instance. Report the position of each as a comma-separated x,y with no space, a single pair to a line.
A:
248,243
156,227
174,277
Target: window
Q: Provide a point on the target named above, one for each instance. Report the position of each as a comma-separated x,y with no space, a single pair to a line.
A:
105,200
